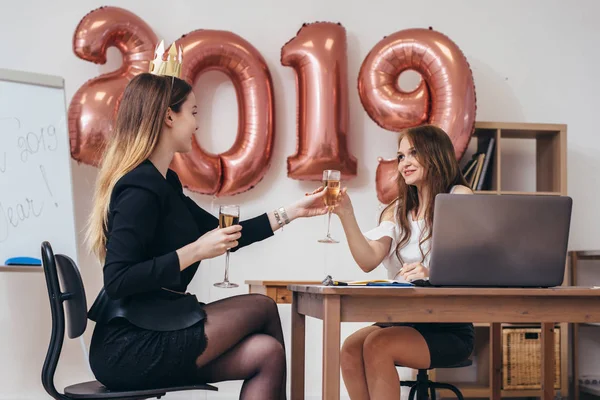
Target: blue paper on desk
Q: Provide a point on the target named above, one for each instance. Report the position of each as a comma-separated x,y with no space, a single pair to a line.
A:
23,261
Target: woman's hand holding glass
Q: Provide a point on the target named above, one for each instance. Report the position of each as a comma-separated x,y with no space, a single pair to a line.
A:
216,242
344,204
229,215
311,205
342,208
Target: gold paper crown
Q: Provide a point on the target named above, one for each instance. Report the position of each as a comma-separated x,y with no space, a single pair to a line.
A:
171,67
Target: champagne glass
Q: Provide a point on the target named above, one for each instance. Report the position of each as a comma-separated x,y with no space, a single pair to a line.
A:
228,216
331,183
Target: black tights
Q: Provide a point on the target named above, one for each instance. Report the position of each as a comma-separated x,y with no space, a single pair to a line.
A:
245,342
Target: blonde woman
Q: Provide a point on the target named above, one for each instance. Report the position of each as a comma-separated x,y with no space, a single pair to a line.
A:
151,238
426,166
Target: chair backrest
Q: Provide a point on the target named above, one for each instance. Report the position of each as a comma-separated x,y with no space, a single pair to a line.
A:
75,302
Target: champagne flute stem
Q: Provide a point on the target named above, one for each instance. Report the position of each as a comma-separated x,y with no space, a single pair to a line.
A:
227,267
328,222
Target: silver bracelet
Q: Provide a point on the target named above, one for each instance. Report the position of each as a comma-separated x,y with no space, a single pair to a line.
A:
278,219
284,215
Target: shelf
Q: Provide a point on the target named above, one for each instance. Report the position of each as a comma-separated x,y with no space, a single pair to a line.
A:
477,391
525,393
528,134
468,390
518,126
21,268
586,254
504,324
526,158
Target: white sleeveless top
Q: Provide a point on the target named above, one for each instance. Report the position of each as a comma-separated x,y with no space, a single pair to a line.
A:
410,253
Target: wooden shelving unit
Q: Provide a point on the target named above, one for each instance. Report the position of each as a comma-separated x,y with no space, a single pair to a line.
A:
550,158
550,153
574,258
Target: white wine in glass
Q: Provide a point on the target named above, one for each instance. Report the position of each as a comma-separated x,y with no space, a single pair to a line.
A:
228,216
331,184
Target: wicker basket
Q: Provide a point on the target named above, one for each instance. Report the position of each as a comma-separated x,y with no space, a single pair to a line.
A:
521,358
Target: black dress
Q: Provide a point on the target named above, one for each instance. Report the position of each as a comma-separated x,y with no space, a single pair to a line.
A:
449,343
148,331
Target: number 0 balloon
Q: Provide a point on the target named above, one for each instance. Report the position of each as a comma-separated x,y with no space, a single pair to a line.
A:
246,162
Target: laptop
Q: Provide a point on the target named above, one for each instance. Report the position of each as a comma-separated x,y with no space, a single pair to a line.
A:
499,240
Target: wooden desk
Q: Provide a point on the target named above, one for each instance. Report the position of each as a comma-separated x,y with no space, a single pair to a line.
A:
335,305
277,290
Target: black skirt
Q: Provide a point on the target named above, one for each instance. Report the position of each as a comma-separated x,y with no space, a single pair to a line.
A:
448,343
126,357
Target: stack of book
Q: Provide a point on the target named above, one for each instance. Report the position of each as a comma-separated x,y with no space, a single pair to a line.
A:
477,171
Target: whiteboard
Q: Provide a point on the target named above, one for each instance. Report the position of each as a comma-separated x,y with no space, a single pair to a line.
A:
36,191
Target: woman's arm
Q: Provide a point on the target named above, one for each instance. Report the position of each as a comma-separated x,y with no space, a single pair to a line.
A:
263,226
134,220
460,189
311,205
368,254
253,229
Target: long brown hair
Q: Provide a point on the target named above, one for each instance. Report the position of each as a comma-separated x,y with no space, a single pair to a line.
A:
435,152
139,122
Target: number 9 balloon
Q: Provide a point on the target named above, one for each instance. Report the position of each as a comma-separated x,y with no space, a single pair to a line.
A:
445,97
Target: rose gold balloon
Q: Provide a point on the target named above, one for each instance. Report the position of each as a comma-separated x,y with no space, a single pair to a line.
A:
92,109
445,96
246,162
318,56
386,178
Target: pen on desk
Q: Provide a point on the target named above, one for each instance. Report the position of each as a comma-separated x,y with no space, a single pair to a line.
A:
338,283
330,282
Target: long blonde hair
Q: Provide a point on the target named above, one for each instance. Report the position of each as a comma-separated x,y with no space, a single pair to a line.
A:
139,122
435,152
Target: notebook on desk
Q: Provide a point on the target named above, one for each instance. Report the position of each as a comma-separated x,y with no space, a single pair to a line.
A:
499,241
328,281
375,282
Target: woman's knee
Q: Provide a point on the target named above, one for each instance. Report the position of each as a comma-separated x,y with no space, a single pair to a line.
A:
352,351
398,345
269,352
375,346
264,303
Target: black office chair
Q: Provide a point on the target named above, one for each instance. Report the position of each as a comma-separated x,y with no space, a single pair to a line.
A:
74,299
423,386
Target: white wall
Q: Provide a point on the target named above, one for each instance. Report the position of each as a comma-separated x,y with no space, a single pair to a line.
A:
534,61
